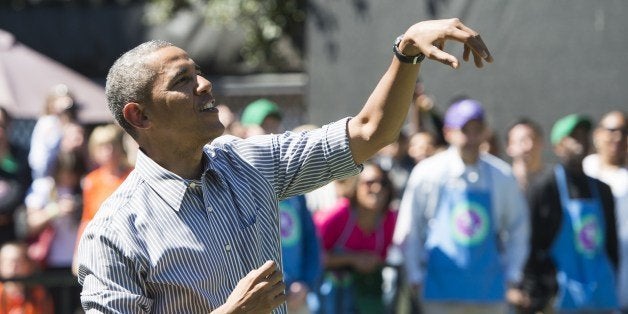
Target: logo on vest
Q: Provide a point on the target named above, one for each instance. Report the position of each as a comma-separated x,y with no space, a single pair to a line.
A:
588,235
469,223
289,225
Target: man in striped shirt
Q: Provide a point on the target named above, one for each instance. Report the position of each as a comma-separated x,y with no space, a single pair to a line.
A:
194,228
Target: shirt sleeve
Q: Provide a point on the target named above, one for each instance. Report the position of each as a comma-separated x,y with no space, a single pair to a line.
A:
111,280
296,163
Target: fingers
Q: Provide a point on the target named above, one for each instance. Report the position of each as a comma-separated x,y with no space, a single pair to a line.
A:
453,29
274,281
442,57
263,272
278,290
477,59
275,278
477,44
472,40
465,54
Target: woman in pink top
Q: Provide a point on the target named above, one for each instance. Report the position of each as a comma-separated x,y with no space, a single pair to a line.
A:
356,234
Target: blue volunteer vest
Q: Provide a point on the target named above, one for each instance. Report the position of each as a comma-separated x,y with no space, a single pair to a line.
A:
463,258
585,277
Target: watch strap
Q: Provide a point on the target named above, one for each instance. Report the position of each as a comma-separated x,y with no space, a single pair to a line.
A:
403,58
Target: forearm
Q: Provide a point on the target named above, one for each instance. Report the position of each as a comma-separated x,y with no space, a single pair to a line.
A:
379,122
384,113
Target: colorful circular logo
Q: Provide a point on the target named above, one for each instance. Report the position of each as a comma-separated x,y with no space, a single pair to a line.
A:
470,223
289,225
588,235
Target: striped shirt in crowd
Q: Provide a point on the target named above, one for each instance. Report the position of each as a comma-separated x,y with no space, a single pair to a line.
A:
164,244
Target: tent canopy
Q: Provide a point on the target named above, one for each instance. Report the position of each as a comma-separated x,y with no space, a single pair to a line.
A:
26,77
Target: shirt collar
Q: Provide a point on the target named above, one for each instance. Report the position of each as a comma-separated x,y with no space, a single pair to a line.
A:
456,166
168,185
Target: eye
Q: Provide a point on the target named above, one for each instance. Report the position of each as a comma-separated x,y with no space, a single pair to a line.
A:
183,79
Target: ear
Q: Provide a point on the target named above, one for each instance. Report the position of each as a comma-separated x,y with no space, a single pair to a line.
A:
134,115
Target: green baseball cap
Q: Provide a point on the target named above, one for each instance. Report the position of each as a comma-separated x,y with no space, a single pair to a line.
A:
257,111
565,125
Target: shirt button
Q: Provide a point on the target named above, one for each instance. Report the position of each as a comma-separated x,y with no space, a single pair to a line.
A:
228,247
212,154
193,185
210,209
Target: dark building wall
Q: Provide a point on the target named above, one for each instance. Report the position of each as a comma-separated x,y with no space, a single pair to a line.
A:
552,58
85,38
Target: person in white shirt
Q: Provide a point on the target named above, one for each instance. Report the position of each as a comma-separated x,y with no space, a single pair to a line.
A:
608,165
463,225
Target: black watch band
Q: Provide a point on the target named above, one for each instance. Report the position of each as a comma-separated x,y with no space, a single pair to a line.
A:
403,58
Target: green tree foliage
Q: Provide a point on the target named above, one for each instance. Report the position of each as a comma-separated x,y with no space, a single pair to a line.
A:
273,28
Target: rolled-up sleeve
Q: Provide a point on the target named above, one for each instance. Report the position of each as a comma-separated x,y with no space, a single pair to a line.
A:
295,163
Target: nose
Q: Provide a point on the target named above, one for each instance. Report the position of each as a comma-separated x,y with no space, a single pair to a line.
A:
527,144
203,85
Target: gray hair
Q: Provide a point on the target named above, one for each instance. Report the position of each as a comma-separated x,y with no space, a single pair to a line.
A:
131,80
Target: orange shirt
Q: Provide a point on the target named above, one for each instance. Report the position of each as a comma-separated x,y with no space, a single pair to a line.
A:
97,186
35,301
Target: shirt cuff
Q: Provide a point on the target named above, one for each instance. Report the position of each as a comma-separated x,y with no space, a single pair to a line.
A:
337,150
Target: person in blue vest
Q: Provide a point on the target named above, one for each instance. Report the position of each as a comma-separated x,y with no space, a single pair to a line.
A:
301,254
300,248
463,224
574,255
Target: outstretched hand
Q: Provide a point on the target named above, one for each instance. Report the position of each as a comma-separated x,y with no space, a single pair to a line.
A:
429,38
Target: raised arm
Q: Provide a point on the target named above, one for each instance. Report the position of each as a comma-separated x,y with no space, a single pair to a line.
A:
381,118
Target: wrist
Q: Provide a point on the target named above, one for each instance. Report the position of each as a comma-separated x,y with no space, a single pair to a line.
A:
406,47
406,52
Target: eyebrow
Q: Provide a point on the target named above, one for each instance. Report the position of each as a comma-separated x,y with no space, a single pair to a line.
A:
183,71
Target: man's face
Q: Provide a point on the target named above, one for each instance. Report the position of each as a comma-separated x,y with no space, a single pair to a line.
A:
421,146
524,143
271,125
181,112
469,137
573,148
610,138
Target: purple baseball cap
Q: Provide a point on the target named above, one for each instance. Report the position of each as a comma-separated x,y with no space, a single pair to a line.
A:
463,111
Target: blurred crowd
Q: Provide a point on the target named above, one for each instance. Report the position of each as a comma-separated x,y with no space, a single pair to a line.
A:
442,221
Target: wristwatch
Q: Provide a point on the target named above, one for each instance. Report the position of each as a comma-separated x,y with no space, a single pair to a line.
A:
403,58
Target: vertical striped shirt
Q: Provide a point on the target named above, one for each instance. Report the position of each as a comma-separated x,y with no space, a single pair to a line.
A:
164,244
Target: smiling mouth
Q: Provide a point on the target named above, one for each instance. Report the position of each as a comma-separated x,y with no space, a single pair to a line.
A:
210,105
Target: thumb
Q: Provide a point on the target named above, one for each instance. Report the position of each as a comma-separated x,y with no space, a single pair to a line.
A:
443,57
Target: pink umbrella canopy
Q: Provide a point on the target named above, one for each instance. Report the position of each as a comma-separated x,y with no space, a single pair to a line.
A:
27,76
